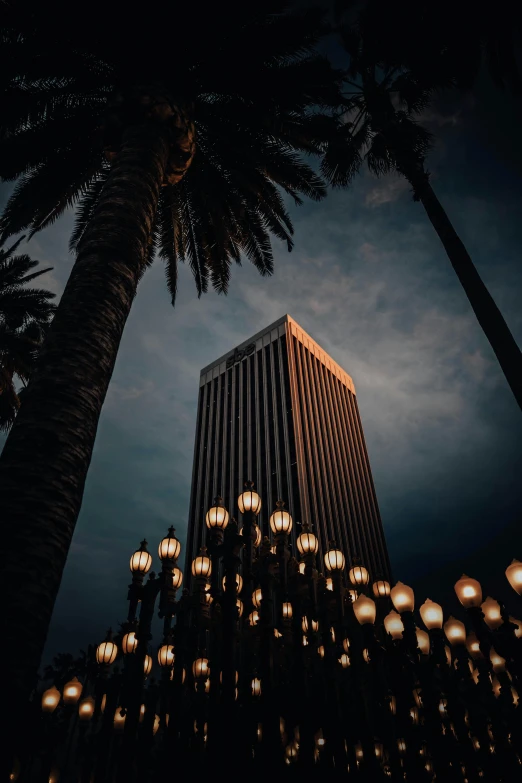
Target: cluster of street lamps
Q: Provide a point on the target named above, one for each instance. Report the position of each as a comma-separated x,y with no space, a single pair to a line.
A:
266,666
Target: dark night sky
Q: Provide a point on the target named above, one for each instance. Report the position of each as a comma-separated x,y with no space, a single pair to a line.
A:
370,282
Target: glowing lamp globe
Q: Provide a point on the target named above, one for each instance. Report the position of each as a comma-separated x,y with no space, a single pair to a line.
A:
253,617
249,501
169,547
431,614
141,560
238,583
402,597
166,655
514,575
50,699
201,669
518,629
491,610
365,610
381,588
202,565
106,652
258,536
86,708
72,691
469,591
119,719
455,631
217,516
147,665
394,625
239,604
497,661
257,597
287,610
358,575
280,521
129,643
256,687
344,660
423,641
473,646
177,577
307,542
334,558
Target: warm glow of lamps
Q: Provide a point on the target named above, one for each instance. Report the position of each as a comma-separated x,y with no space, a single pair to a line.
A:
280,521
491,611
469,591
473,646
201,669
239,583
258,536
141,560
72,691
217,516
497,661
177,577
147,665
119,719
307,542
287,610
169,547
305,626
257,597
249,501
50,699
518,629
86,708
334,558
394,625
358,575
253,617
365,610
402,597
239,605
166,655
129,643
455,631
256,687
431,614
202,565
381,588
514,576
329,583
344,660
423,641
106,652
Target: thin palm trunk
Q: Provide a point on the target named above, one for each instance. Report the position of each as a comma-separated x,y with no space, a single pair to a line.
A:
46,457
488,314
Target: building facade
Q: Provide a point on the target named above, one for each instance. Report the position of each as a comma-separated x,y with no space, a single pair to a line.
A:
279,411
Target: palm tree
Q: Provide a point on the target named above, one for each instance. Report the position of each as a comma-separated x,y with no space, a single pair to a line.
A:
380,128
24,316
173,129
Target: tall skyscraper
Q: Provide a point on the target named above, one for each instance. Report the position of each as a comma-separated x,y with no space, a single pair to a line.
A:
279,411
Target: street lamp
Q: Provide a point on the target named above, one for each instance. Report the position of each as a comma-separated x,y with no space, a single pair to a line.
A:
365,610
455,631
72,691
86,708
166,655
50,699
307,542
202,565
334,558
169,547
469,592
431,614
129,643
238,583
491,611
287,610
394,625
107,651
147,665
249,500
402,598
200,669
281,521
217,517
358,574
177,577
381,588
141,560
514,575
423,641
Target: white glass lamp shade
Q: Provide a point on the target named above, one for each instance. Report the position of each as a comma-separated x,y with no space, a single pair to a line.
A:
239,583
166,655
177,577
249,501
302,567
307,542
287,610
217,516
147,665
106,652
431,614
334,559
455,631
86,708
256,687
497,661
394,625
72,691
491,610
358,575
202,565
402,597
423,641
257,597
169,547
253,617
201,669
344,660
365,610
329,584
473,646
381,588
141,560
469,591
280,521
514,575
129,643
50,699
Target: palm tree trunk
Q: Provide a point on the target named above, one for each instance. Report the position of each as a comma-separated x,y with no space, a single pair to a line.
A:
488,315
46,457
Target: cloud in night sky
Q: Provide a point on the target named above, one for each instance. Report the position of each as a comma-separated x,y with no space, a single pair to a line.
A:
370,282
